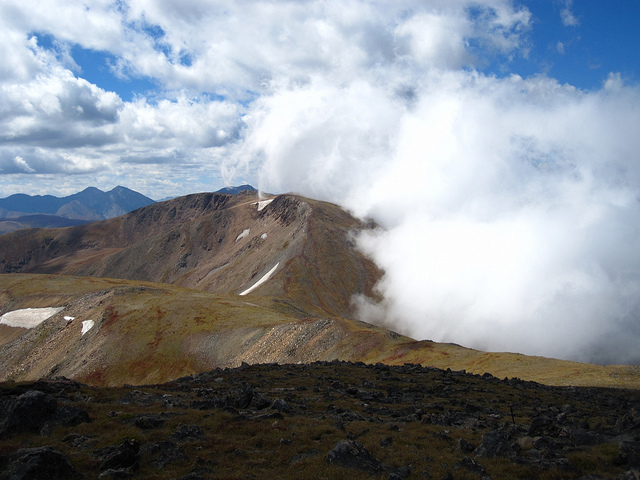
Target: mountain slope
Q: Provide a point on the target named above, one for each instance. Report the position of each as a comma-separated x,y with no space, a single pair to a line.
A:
218,243
148,333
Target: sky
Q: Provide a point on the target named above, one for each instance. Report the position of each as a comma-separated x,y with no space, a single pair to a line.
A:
495,142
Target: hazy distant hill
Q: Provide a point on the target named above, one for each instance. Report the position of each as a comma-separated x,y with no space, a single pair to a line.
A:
38,221
236,190
89,205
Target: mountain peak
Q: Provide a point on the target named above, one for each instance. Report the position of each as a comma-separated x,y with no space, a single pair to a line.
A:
90,204
237,190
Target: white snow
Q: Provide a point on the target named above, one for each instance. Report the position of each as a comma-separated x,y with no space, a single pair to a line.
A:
264,203
261,281
68,318
87,325
244,234
28,317
263,236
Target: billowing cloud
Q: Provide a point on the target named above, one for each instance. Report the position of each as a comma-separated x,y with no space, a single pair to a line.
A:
509,207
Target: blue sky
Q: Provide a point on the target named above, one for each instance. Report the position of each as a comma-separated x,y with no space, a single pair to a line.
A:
496,141
581,48
599,38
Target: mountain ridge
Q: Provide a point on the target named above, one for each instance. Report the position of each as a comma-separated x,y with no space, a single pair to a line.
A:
90,204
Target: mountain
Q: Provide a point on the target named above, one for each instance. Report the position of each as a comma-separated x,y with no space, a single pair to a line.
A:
88,205
214,280
237,190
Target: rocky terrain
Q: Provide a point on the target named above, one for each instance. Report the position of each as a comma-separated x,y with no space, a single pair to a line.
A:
320,420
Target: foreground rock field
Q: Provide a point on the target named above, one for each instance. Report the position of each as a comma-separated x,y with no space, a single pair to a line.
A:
322,420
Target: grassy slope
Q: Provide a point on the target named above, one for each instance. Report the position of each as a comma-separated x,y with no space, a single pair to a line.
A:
149,333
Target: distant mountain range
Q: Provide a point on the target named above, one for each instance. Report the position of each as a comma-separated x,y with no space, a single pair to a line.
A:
46,211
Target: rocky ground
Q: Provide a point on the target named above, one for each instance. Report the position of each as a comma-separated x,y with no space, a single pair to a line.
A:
322,420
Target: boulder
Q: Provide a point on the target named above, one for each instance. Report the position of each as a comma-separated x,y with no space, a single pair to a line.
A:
161,454
352,454
27,413
43,463
124,456
496,443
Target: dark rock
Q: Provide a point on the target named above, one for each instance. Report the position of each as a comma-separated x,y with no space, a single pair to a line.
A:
163,453
629,421
28,413
474,467
259,402
70,416
582,437
188,433
629,454
495,443
352,454
148,422
385,442
629,475
43,463
124,456
116,474
541,425
464,446
66,416
281,405
400,474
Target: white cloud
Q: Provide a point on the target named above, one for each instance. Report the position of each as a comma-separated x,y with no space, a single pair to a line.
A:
509,206
567,16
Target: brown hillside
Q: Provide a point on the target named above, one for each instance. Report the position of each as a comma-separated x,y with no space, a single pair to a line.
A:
148,333
218,243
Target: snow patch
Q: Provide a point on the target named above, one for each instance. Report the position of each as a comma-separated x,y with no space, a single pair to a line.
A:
28,317
262,280
263,236
87,325
264,203
68,318
244,234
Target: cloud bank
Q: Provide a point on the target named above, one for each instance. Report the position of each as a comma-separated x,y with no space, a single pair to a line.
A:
509,207
507,204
